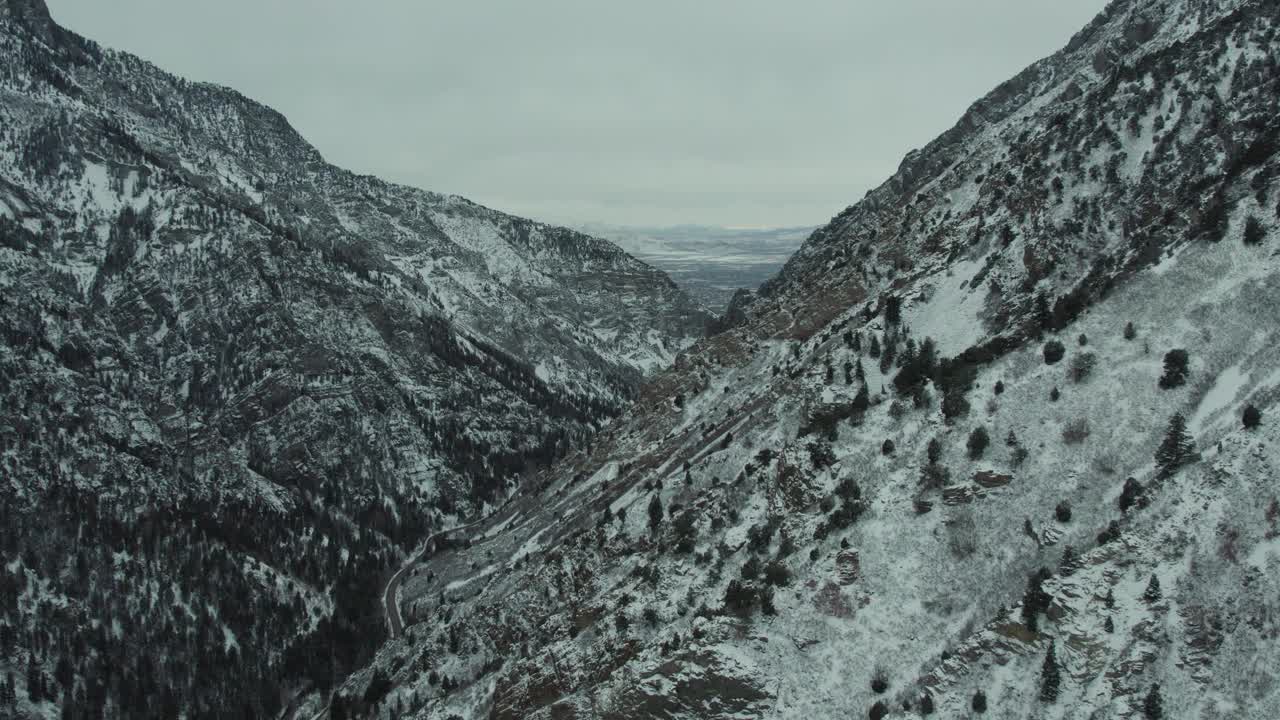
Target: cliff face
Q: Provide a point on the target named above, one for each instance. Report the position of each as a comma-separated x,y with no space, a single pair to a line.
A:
241,381
943,441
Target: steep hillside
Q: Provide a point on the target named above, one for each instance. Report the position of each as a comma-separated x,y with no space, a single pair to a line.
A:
962,431
239,383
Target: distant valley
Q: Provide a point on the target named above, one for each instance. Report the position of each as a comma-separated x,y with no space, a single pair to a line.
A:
708,262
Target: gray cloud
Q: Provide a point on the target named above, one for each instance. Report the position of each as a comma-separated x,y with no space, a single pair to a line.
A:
739,112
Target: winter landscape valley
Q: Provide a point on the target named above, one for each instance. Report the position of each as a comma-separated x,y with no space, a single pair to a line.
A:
999,439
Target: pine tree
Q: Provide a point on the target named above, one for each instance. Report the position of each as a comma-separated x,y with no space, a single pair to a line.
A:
1130,494
1109,600
1254,233
1152,594
1053,352
1050,676
1177,448
1153,706
1130,332
893,310
1108,625
1043,316
862,400
655,512
926,704
1175,369
1035,600
1252,418
888,355
979,703
1070,561
33,680
978,442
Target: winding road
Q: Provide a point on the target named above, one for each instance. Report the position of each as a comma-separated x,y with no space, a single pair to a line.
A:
390,594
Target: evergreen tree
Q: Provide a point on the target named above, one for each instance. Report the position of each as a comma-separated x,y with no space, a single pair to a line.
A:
1252,417
1175,369
934,451
926,704
888,355
1130,494
1053,352
1035,600
862,400
1253,231
1043,315
655,512
1070,561
1152,594
33,680
979,703
1153,706
1130,332
978,442
908,356
1177,448
1108,625
893,310
1050,676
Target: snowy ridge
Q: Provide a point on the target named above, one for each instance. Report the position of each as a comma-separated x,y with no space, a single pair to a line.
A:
842,506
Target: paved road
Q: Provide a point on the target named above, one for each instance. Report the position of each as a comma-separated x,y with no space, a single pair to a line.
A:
390,599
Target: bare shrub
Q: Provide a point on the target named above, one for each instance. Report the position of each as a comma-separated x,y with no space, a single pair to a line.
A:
1076,431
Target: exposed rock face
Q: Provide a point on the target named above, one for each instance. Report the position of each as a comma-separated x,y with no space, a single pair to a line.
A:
255,379
1108,185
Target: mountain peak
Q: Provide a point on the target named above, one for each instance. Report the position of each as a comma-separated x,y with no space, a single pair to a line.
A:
30,14
25,11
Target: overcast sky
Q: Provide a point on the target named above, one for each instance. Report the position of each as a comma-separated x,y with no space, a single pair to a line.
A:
649,112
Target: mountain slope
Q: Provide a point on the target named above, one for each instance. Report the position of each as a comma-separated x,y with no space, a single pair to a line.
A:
239,383
842,506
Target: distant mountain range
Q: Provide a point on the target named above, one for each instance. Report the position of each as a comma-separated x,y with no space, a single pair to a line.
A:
709,262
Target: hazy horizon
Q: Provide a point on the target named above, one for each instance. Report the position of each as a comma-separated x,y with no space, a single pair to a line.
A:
742,114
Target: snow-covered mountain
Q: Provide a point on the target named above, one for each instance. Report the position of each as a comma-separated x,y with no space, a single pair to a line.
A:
999,441
239,383
711,263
